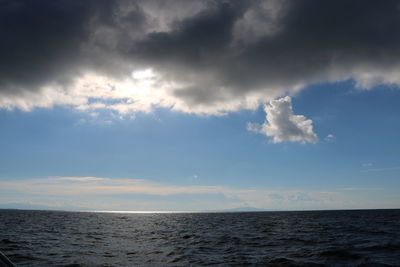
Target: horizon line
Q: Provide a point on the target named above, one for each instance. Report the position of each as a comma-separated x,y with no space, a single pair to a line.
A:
195,211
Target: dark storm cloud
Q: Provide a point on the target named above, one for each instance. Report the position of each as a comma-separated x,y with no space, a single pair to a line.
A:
315,37
40,40
221,50
49,41
196,42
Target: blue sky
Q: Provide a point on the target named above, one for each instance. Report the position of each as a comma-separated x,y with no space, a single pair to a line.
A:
176,149
199,104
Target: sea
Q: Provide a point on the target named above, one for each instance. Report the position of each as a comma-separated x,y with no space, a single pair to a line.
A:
290,238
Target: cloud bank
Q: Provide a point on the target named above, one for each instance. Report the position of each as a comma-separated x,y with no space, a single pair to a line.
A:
104,193
283,125
205,57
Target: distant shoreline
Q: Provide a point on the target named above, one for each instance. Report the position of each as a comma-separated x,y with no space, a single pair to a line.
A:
177,212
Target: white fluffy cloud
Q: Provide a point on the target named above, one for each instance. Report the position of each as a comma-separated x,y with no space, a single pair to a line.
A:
282,125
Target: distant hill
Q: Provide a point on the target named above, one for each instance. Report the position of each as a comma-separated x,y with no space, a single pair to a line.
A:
240,209
20,206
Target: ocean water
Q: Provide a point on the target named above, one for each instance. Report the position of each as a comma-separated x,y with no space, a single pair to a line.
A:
308,238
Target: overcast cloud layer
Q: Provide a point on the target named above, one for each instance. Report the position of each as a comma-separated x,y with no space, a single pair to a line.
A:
205,57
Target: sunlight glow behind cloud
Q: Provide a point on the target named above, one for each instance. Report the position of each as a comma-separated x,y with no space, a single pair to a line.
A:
143,74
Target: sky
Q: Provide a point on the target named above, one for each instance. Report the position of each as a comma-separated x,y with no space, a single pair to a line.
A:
199,105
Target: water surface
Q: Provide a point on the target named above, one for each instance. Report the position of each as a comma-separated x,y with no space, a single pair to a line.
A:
307,238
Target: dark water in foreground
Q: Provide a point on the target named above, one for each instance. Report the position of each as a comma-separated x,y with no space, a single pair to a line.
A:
312,238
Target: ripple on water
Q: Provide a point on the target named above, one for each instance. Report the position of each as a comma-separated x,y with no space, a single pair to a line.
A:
322,238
